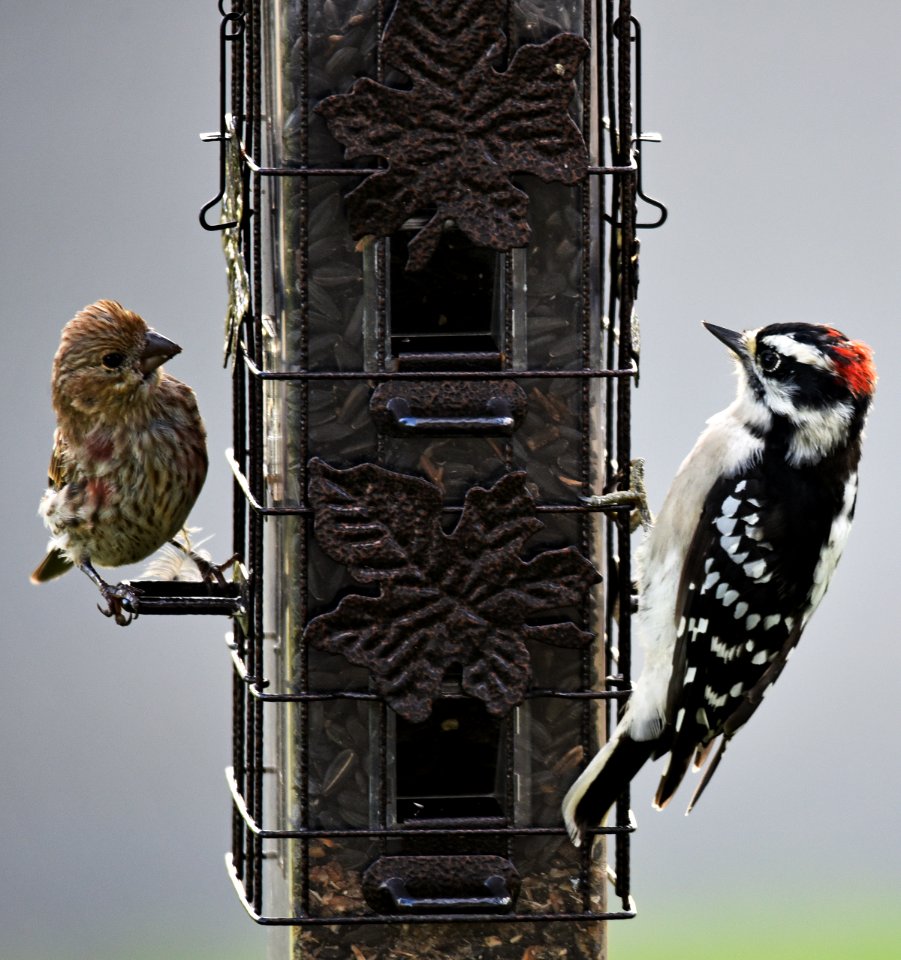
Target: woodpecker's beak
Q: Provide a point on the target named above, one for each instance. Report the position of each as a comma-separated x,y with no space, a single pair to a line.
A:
157,350
734,341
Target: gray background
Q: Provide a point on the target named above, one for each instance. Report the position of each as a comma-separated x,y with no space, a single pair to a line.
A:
779,168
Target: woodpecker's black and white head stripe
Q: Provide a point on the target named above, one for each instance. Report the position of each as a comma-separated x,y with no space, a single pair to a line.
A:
740,555
806,381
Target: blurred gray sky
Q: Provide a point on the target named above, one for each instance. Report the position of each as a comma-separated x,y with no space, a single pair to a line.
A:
781,146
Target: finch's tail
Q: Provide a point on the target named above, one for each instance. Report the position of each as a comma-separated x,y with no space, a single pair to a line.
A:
590,798
54,565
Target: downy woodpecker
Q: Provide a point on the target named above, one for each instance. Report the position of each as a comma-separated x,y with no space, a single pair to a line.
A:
739,557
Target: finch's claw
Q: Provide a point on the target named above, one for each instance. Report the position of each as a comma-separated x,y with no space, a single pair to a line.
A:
209,572
214,572
121,601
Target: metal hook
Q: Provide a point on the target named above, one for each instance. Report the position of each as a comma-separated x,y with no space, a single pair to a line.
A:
226,36
646,137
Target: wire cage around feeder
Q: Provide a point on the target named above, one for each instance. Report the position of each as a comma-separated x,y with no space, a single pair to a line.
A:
429,219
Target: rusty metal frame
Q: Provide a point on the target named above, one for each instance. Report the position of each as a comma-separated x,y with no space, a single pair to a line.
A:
618,184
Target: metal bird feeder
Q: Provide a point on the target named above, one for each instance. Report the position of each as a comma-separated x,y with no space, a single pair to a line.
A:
429,221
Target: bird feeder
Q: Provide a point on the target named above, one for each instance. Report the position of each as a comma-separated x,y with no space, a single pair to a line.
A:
428,213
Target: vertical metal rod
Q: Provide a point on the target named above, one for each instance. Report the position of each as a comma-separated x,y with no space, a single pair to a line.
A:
626,246
586,523
303,278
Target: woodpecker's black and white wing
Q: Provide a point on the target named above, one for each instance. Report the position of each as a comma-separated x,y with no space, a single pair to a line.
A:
744,598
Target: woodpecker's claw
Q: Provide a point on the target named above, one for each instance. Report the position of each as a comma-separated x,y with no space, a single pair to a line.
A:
636,497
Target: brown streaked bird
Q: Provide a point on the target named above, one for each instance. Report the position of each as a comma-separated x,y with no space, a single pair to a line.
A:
129,452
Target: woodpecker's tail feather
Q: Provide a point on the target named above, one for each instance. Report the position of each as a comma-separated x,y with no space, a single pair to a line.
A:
590,798
708,773
677,767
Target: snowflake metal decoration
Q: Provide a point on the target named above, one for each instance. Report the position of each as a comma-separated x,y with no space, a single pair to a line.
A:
453,138
463,598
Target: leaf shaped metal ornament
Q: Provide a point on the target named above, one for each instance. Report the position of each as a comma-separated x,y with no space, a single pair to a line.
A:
456,134
462,599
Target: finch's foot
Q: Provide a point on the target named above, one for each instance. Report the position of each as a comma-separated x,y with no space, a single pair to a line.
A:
210,572
121,601
214,572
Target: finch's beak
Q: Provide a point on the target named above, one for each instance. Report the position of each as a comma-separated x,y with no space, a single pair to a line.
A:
734,341
157,350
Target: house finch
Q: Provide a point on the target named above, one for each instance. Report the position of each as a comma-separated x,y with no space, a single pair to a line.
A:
129,451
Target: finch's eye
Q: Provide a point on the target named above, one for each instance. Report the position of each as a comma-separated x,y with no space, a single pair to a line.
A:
112,361
769,361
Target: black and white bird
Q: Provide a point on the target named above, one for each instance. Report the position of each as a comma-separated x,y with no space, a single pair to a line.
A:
739,557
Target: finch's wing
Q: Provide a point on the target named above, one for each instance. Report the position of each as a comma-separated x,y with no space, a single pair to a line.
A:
56,563
56,472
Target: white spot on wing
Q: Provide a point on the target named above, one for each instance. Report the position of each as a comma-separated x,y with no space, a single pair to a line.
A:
713,698
755,569
723,650
726,525
712,578
730,544
730,505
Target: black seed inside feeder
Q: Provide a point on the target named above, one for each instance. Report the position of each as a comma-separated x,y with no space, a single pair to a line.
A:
429,223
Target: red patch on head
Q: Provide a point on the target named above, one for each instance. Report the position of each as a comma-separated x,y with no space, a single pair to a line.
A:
854,364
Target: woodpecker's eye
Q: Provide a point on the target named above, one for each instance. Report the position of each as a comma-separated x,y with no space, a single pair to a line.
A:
112,361
769,361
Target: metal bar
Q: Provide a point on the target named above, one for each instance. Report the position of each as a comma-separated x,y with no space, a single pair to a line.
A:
301,858
369,919
457,829
300,170
382,375
255,127
300,510
626,267
188,606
